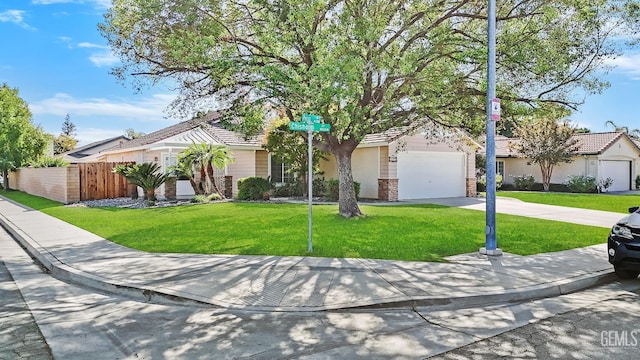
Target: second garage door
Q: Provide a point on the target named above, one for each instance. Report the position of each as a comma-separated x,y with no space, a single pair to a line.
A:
431,175
619,171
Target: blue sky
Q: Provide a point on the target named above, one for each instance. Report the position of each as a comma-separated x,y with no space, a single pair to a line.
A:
53,52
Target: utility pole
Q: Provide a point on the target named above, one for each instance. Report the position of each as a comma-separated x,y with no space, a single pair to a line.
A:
493,115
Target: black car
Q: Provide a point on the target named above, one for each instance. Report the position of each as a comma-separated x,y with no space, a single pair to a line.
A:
624,245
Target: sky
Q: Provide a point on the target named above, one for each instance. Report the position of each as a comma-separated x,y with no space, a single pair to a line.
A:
53,53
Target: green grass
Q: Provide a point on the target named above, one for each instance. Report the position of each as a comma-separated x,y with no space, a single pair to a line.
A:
408,232
605,202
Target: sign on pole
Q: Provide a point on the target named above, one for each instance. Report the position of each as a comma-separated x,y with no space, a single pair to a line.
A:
310,123
495,109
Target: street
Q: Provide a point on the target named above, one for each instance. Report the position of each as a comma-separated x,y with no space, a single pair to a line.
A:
81,323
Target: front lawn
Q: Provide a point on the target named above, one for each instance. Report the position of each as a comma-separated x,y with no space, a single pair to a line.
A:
407,232
605,202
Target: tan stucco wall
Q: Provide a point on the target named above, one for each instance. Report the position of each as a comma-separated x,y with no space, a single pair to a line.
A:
262,163
59,184
365,166
243,166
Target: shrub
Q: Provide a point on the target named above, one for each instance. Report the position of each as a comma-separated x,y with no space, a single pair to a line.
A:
524,182
604,184
332,192
638,182
146,175
48,161
483,181
581,183
202,199
199,199
253,188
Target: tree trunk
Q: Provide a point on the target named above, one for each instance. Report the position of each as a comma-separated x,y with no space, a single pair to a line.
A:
212,180
150,194
546,170
347,203
5,179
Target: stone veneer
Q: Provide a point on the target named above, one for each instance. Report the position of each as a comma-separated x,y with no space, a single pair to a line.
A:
388,189
471,187
170,188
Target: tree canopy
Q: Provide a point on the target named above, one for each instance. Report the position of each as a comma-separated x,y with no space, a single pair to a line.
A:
21,142
546,141
364,66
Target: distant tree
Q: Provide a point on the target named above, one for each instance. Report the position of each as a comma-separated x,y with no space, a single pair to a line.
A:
68,128
21,142
66,141
635,133
132,134
583,130
291,148
547,142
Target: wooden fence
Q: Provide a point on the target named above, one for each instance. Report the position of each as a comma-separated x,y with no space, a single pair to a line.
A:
98,181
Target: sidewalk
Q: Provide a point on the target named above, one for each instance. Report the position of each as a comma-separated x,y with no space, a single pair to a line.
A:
272,283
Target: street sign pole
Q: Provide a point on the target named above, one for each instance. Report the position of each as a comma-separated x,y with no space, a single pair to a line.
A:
310,181
310,123
493,114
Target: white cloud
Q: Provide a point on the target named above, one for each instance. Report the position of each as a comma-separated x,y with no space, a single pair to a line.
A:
145,109
91,45
15,17
629,64
99,3
105,58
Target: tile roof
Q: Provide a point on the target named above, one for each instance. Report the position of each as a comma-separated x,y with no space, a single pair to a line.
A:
208,122
588,144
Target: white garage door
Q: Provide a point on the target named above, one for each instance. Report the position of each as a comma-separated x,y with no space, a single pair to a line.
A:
619,171
424,175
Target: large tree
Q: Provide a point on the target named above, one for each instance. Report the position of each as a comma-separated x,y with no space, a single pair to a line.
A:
21,142
364,66
547,142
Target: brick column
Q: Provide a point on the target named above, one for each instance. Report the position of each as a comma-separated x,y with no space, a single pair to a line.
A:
170,188
388,189
472,187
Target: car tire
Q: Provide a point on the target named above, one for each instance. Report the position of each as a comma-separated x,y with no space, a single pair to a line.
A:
625,274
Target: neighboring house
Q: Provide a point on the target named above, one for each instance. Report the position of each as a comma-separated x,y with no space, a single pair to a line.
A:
84,153
389,166
602,155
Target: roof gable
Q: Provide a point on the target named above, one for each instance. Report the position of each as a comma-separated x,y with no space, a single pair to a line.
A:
205,128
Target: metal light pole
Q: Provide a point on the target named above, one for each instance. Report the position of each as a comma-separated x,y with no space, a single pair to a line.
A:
493,114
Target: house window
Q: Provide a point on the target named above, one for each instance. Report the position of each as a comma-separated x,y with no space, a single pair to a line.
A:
500,168
169,160
280,172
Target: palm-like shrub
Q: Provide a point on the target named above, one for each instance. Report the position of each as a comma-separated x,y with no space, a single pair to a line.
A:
145,175
200,159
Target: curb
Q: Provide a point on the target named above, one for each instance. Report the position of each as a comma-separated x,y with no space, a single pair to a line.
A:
67,273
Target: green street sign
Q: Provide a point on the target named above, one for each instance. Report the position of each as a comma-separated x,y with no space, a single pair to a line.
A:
321,127
298,126
311,119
